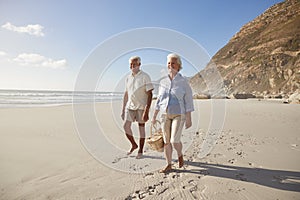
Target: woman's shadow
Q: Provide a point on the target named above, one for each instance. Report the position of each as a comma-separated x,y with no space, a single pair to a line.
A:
279,179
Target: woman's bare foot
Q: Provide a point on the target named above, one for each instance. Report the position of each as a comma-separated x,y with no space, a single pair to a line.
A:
134,147
180,161
167,169
139,156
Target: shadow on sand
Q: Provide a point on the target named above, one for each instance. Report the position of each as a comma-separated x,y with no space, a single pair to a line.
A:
279,179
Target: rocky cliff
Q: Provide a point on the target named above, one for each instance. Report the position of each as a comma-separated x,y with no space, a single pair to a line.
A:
263,58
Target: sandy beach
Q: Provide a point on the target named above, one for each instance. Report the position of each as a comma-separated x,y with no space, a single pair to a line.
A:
236,149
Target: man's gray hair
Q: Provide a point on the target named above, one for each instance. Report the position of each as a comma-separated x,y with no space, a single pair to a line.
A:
135,58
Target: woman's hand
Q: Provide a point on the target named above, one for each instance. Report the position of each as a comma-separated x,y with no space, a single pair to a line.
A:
188,120
188,124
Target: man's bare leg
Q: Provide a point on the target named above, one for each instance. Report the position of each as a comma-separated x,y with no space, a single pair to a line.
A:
128,133
142,140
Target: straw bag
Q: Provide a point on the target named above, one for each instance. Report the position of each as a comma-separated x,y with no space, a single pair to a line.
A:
155,141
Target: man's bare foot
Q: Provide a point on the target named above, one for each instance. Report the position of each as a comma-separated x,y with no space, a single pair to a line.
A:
167,169
134,147
180,161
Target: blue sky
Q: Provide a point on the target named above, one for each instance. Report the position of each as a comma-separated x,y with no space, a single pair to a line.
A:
44,44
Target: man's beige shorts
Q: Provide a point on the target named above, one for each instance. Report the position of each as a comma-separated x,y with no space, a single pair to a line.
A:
134,116
172,126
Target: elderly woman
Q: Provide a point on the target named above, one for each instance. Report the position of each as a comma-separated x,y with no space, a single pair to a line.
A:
175,100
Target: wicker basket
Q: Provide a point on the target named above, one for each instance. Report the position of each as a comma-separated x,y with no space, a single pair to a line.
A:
155,141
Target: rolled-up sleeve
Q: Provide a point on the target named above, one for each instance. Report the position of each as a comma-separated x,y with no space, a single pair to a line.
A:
188,98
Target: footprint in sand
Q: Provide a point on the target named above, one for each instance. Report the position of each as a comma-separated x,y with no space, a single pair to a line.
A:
295,147
176,176
117,159
192,186
232,161
150,174
157,189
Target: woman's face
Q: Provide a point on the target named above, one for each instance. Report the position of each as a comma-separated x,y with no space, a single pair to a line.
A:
173,65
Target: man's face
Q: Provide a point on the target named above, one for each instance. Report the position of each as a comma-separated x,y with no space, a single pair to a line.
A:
135,66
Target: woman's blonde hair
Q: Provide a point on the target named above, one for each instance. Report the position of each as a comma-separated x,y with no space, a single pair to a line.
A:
174,55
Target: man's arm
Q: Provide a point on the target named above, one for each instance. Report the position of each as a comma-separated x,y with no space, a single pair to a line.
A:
147,108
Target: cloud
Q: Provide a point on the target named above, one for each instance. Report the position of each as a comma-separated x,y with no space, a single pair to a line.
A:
31,29
2,53
36,60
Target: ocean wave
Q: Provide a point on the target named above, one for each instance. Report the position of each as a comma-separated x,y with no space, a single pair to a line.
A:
14,98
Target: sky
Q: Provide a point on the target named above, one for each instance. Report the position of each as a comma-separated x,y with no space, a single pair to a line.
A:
46,45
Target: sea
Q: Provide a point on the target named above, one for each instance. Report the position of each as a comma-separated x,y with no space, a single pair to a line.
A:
36,98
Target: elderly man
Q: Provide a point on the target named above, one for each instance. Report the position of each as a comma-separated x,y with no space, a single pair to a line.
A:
136,103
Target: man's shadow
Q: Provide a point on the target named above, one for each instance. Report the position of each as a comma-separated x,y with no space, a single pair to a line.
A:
279,179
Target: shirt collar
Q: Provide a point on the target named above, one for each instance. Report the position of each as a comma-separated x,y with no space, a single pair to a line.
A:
176,76
137,73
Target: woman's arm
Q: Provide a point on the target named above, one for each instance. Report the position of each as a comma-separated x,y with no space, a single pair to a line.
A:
154,116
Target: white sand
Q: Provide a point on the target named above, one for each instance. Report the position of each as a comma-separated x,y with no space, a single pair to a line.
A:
256,156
